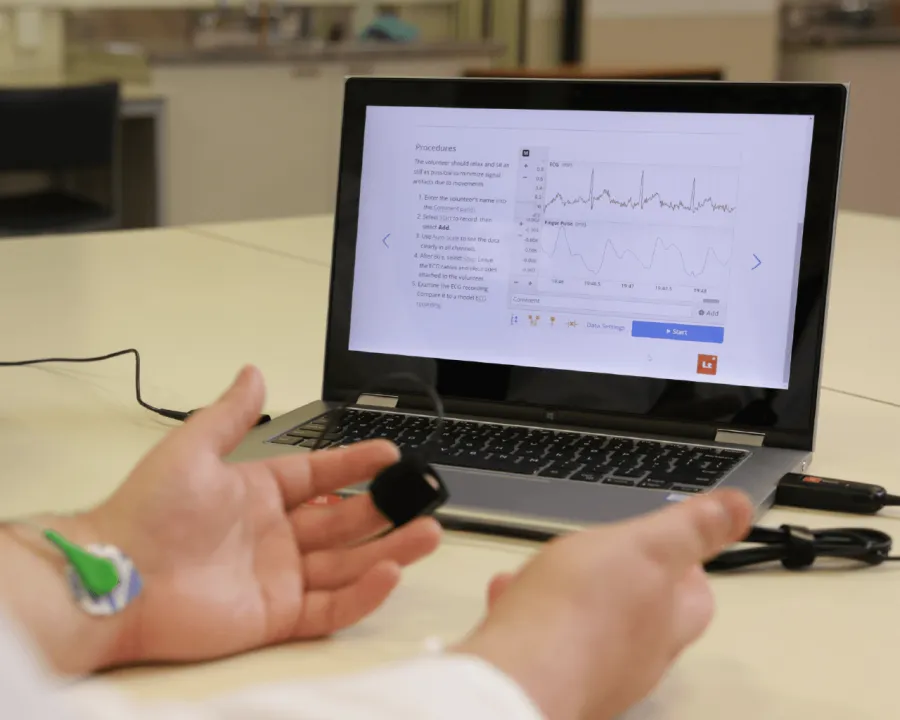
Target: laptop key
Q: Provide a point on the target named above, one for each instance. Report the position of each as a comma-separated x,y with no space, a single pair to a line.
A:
607,460
501,463
285,440
526,465
449,458
587,476
615,444
559,469
686,489
590,457
634,473
645,446
653,483
625,482
708,472
561,456
713,461
695,481
469,459
552,472
666,476
304,432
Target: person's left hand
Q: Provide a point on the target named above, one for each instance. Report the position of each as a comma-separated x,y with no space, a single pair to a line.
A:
231,557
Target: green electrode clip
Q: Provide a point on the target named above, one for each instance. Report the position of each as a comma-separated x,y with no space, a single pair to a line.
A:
98,575
102,579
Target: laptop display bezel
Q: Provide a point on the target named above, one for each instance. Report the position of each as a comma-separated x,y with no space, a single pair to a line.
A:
475,389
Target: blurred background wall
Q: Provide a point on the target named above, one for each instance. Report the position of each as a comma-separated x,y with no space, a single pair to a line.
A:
232,107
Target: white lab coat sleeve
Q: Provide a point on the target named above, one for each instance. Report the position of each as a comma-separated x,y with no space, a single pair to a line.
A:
443,687
433,687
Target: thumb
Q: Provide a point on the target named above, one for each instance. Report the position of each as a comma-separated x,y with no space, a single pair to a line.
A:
497,587
695,530
220,427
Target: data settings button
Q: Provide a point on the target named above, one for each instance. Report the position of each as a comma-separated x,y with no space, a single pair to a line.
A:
670,331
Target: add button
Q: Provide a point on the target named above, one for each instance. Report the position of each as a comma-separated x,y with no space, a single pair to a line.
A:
670,331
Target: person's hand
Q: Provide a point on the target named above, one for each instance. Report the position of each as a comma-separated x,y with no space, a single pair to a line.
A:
592,623
230,556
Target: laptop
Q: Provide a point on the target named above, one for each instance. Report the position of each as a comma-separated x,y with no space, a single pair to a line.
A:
617,288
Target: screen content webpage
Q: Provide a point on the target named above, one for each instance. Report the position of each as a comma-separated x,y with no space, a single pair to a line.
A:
659,245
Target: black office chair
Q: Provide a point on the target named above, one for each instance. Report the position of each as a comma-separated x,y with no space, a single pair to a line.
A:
69,136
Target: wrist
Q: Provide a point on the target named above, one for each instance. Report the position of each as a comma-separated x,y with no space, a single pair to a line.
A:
35,589
545,662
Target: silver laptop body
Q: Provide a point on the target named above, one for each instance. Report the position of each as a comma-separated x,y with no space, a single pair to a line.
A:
634,274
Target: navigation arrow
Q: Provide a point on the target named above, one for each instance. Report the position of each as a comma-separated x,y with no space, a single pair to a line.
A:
758,262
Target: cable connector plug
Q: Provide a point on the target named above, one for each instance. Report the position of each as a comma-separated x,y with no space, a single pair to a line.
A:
814,492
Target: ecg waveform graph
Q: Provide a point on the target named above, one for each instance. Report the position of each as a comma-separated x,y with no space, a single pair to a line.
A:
630,253
635,194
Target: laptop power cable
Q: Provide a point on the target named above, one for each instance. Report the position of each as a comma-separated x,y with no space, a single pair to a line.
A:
797,548
181,415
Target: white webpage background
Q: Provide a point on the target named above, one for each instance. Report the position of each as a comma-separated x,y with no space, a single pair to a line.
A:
388,313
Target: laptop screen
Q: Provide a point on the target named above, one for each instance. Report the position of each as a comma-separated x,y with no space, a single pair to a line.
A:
656,245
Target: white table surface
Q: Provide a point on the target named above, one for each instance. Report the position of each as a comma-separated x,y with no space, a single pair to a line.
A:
200,302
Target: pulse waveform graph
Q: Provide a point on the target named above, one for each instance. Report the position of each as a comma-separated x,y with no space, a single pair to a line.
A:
674,256
634,193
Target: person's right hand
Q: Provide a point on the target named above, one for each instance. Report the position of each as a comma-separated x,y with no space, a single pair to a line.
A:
592,623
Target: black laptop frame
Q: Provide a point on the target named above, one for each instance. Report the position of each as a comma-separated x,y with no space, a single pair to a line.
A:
784,418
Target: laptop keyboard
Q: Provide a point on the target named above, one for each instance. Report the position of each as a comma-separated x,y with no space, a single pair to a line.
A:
560,454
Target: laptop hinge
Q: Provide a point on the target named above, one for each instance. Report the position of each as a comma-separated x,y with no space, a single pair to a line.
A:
387,401
739,437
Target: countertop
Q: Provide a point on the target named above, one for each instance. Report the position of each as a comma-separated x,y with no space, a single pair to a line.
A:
819,644
313,52
840,37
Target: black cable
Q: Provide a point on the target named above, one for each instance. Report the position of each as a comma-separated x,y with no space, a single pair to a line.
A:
794,547
171,414
860,396
797,548
381,380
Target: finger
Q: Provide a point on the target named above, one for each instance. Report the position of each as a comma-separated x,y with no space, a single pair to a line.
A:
348,522
694,531
327,611
303,476
220,427
333,569
497,587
